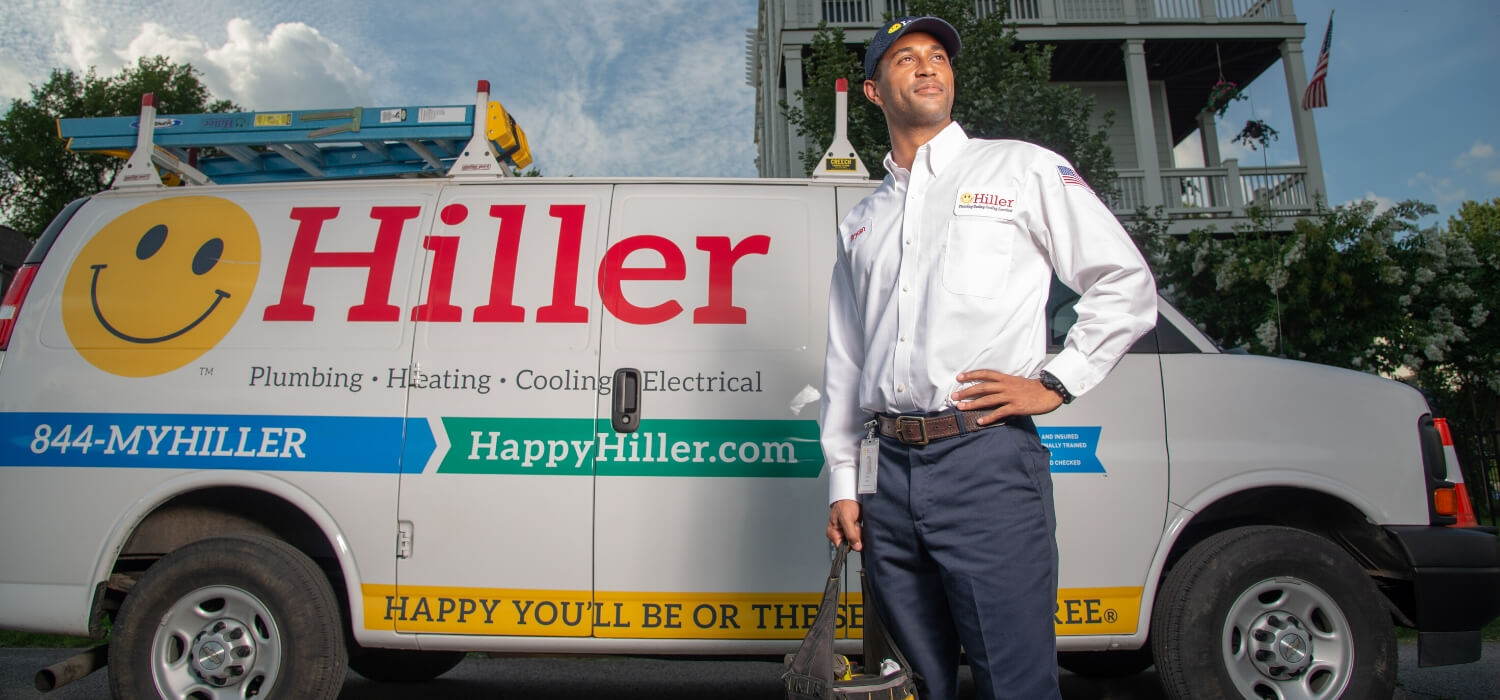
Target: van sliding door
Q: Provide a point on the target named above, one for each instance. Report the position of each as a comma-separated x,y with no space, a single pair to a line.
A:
506,372
710,515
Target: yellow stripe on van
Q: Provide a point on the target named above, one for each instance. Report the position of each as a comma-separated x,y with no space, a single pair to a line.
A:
644,615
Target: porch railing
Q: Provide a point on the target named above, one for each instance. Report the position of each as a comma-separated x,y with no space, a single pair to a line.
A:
871,12
1218,193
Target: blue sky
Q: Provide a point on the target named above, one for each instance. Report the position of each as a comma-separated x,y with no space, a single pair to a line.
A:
657,87
1412,108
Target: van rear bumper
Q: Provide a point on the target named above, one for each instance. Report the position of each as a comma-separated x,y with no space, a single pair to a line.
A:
1455,589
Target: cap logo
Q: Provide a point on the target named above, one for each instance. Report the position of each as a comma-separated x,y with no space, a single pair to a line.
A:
895,27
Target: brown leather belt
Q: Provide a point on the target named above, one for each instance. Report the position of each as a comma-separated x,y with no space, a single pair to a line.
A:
917,430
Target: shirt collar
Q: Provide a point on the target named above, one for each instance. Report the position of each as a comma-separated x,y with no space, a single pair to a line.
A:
937,153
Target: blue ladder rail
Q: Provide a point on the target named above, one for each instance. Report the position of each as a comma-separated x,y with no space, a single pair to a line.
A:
274,146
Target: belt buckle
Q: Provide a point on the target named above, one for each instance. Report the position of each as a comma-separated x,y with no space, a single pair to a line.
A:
903,421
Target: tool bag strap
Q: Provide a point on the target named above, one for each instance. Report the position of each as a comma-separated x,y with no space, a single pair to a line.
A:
810,676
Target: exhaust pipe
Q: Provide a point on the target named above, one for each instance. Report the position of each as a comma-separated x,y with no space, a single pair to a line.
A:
71,669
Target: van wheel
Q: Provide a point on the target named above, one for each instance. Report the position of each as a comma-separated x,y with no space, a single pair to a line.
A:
229,617
1272,612
403,665
1116,663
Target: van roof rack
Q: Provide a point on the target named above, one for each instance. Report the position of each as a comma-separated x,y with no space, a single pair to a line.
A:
296,145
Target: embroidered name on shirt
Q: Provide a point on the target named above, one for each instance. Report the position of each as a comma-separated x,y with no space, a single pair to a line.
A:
973,202
862,230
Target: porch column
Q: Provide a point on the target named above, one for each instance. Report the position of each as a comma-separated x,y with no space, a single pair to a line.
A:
1208,133
792,62
1302,119
1142,120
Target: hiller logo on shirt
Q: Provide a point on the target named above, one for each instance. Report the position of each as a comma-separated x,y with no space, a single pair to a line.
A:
984,202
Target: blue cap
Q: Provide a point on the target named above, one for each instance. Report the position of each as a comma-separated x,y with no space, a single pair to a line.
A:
884,37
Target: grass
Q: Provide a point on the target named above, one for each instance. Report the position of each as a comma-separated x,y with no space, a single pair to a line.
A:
11,639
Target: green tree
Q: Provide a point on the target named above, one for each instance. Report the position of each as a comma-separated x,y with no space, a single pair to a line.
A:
1002,92
1334,290
39,175
1453,342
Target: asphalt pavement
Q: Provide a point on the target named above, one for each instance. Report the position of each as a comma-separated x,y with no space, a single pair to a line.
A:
633,678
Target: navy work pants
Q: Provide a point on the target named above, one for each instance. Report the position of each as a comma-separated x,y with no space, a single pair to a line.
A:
960,548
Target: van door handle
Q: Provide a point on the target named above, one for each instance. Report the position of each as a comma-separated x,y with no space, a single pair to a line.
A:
625,413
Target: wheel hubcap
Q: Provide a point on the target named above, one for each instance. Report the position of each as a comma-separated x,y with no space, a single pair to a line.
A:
216,643
1280,646
1287,639
223,652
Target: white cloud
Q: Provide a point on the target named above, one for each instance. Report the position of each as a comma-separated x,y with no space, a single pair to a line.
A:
1442,188
13,85
1381,203
293,67
1479,151
82,40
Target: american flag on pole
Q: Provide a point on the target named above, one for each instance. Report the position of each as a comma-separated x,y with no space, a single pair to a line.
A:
1316,94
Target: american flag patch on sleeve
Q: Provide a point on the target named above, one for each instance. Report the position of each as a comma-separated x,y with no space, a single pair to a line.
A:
1071,178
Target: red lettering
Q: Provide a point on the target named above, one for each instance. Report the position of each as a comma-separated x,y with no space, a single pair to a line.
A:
502,308
721,260
440,286
613,271
380,262
564,307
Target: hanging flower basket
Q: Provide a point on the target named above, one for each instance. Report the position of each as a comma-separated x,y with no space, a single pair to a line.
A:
1256,132
1221,94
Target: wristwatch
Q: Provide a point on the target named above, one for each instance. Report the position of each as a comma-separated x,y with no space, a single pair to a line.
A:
1051,382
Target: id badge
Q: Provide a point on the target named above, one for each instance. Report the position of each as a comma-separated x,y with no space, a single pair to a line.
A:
869,464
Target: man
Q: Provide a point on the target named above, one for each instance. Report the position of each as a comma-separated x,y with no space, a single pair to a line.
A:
937,359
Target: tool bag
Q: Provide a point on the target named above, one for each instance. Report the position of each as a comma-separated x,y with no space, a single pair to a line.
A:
815,672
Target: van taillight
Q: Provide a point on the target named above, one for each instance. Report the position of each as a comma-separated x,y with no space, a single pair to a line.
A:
1461,508
10,308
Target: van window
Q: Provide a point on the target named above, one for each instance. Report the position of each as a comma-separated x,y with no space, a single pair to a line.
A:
1061,316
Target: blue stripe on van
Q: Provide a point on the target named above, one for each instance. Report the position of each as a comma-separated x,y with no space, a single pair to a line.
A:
354,444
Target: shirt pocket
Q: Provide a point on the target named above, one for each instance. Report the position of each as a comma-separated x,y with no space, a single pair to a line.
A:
976,259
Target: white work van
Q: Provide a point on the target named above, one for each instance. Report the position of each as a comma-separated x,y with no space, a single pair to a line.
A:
256,430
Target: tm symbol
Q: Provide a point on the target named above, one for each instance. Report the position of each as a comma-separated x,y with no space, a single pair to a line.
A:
205,371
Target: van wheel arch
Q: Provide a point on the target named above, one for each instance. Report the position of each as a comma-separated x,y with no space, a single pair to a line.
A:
221,512
1315,512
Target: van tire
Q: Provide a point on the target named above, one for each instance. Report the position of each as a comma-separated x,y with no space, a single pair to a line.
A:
229,617
403,665
1232,613
1115,663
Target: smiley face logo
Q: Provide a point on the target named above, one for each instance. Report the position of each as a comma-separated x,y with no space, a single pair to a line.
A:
161,284
966,198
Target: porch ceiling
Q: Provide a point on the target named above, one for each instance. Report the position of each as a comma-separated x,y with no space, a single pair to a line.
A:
1189,68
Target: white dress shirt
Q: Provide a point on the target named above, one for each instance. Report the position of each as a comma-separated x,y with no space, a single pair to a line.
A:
946,268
